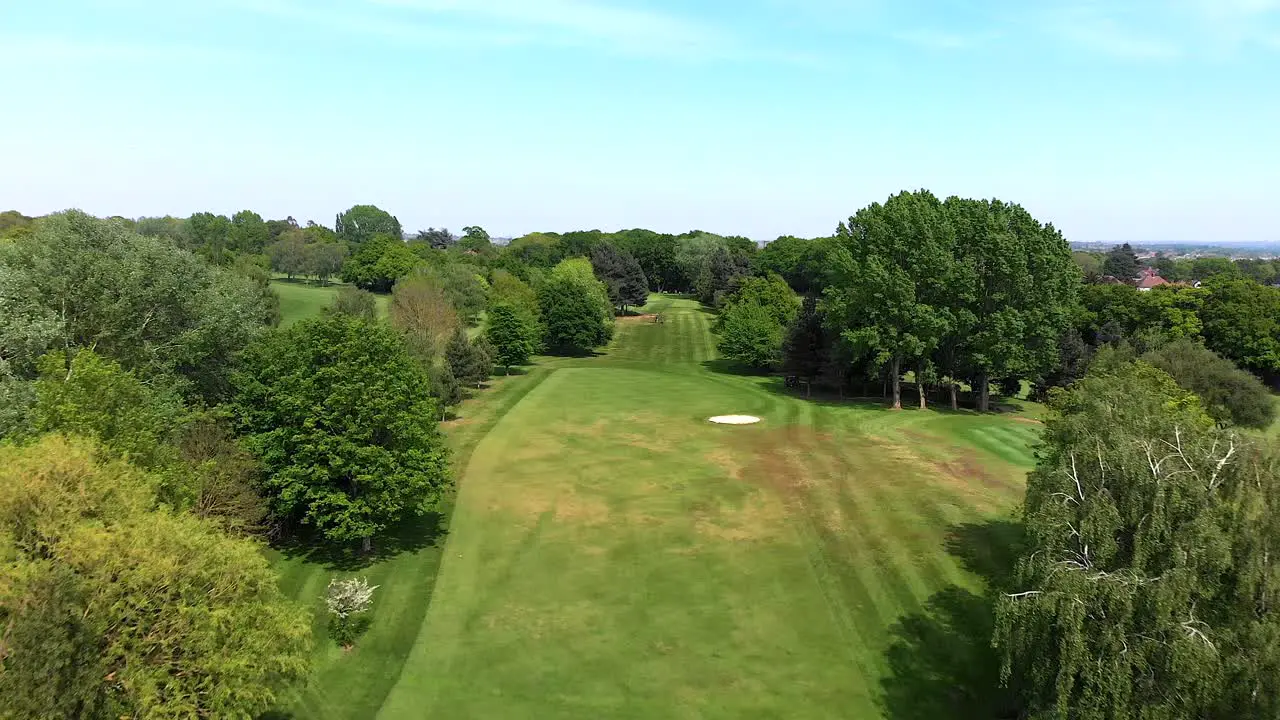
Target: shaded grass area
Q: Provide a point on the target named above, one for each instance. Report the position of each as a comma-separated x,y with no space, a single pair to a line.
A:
614,555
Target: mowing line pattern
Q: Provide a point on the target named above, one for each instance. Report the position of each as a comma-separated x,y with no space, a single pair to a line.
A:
612,554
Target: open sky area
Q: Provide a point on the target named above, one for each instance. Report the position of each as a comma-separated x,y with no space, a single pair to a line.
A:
1129,120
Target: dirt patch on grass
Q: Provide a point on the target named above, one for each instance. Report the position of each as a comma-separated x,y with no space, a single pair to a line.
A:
761,518
630,319
568,506
1028,421
582,510
731,462
961,470
778,458
646,442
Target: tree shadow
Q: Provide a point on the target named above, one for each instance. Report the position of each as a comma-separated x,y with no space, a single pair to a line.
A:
941,663
724,366
825,396
408,536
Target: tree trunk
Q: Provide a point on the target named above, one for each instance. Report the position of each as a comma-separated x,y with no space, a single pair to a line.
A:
955,403
920,389
366,545
895,368
984,393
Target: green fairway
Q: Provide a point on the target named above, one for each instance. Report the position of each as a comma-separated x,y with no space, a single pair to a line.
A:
301,300
612,554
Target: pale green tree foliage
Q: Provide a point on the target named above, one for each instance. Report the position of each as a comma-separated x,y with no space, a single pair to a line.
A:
95,397
507,289
512,335
754,320
576,310
111,608
354,302
749,334
361,223
1150,580
139,300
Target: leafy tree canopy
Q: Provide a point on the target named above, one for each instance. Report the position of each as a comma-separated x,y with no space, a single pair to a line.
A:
750,334
361,223
575,307
82,282
340,416
1148,584
1121,263
379,263
1229,394
114,608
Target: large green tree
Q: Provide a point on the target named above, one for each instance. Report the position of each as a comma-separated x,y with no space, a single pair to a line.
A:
111,606
656,254
1150,579
749,334
1012,291
1121,263
1242,322
890,270
379,263
575,308
512,335
342,419
621,275
248,233
361,223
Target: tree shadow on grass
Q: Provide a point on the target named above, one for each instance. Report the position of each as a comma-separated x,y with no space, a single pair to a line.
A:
408,536
941,662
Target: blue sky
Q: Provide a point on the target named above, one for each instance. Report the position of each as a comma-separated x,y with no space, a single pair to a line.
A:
1129,120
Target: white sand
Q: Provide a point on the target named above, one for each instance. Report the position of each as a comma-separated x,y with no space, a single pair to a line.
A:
734,419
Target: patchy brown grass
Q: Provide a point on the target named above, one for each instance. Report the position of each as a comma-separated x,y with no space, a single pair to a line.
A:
761,517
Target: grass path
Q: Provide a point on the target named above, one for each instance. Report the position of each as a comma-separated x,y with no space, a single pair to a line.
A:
613,555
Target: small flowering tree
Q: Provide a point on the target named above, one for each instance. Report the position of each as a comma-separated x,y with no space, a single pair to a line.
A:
346,599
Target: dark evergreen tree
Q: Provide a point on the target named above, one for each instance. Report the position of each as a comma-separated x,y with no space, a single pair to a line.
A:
805,350
621,275
440,239
1121,263
445,389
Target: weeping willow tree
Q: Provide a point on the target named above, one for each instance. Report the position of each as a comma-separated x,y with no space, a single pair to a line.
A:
1151,579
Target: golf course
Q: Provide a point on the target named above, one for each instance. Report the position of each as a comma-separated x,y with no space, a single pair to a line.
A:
610,553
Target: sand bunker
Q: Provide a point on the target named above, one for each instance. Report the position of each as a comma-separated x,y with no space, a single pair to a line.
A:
734,419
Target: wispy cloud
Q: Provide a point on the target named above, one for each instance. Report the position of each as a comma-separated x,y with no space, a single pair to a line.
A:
944,40
558,23
1108,36
33,50
1163,29
579,21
